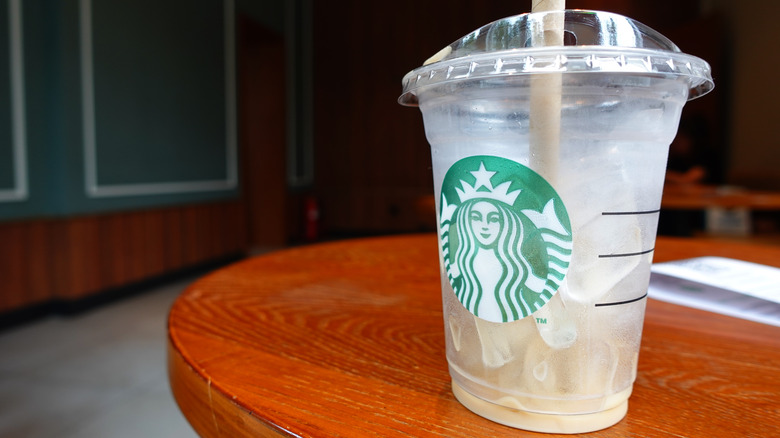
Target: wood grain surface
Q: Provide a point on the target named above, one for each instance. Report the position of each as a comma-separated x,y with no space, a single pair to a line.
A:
346,339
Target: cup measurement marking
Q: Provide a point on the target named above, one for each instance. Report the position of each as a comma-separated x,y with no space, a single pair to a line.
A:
628,254
627,213
631,254
618,303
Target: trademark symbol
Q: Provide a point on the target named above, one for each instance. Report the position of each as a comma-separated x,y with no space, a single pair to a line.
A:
541,320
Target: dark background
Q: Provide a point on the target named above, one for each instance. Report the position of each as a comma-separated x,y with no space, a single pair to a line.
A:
324,151
372,161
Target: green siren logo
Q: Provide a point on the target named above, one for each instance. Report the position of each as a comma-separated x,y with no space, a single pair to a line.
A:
505,237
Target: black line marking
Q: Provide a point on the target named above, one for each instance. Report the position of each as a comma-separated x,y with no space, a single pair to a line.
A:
618,303
630,254
627,213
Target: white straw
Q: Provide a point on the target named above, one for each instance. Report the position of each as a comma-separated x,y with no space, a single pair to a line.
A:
553,321
545,117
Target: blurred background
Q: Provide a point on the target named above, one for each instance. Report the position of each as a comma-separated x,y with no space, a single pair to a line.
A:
145,142
142,138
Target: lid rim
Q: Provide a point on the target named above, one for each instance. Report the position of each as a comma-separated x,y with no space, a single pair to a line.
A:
698,86
562,59
552,51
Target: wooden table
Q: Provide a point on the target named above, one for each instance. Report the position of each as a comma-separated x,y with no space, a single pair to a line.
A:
346,339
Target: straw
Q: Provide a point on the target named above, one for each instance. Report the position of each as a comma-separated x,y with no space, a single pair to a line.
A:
545,117
547,5
552,321
545,122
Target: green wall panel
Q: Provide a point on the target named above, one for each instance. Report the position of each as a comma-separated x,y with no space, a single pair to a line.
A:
129,104
159,97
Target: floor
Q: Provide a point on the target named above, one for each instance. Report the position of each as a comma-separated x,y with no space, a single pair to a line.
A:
101,373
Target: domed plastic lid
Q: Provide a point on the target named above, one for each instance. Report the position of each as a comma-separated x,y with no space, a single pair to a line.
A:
593,42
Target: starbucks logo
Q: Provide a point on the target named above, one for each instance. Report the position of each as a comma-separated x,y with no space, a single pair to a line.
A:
505,237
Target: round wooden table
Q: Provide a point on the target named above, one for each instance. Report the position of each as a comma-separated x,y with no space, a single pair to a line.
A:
347,339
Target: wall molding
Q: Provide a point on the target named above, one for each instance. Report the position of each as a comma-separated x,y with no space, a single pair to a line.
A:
20,191
92,186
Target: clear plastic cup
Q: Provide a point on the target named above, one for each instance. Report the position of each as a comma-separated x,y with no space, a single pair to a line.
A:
548,166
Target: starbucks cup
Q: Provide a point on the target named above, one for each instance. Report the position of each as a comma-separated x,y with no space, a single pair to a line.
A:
548,167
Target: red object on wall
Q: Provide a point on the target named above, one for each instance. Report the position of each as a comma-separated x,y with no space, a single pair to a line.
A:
311,218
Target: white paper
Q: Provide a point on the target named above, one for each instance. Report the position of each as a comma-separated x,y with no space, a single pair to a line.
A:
722,285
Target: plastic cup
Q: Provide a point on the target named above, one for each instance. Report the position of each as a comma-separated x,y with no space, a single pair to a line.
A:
548,195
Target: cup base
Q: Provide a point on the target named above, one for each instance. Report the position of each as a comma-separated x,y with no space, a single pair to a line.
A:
536,422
